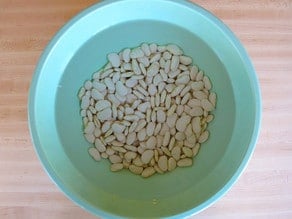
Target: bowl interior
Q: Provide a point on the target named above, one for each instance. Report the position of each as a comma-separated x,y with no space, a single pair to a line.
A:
89,58
56,124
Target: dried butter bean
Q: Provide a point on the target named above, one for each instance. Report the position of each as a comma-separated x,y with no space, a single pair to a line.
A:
115,159
171,164
147,156
196,149
117,167
203,137
94,153
185,162
185,60
162,163
148,171
136,169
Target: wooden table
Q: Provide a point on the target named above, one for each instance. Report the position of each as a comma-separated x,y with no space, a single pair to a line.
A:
265,188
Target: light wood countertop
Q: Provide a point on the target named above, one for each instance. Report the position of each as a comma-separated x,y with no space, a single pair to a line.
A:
265,188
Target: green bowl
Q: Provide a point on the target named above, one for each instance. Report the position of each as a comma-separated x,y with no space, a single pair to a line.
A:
80,48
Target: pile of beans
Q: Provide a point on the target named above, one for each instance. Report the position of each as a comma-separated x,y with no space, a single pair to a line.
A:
147,110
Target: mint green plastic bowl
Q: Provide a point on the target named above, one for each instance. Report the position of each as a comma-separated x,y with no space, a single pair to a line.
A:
80,48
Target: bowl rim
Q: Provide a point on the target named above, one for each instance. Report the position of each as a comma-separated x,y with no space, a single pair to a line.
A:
244,56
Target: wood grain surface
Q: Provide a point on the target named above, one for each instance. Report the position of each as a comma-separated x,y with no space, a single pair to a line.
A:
265,29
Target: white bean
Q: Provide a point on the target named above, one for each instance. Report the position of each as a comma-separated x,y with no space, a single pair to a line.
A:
185,162
89,129
174,49
126,55
150,128
185,60
203,137
114,59
85,102
109,83
116,167
151,142
161,117
182,123
136,53
152,90
118,128
207,105
148,171
175,152
171,164
121,89
153,69
147,156
105,114
135,169
99,145
94,153
162,163
135,67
